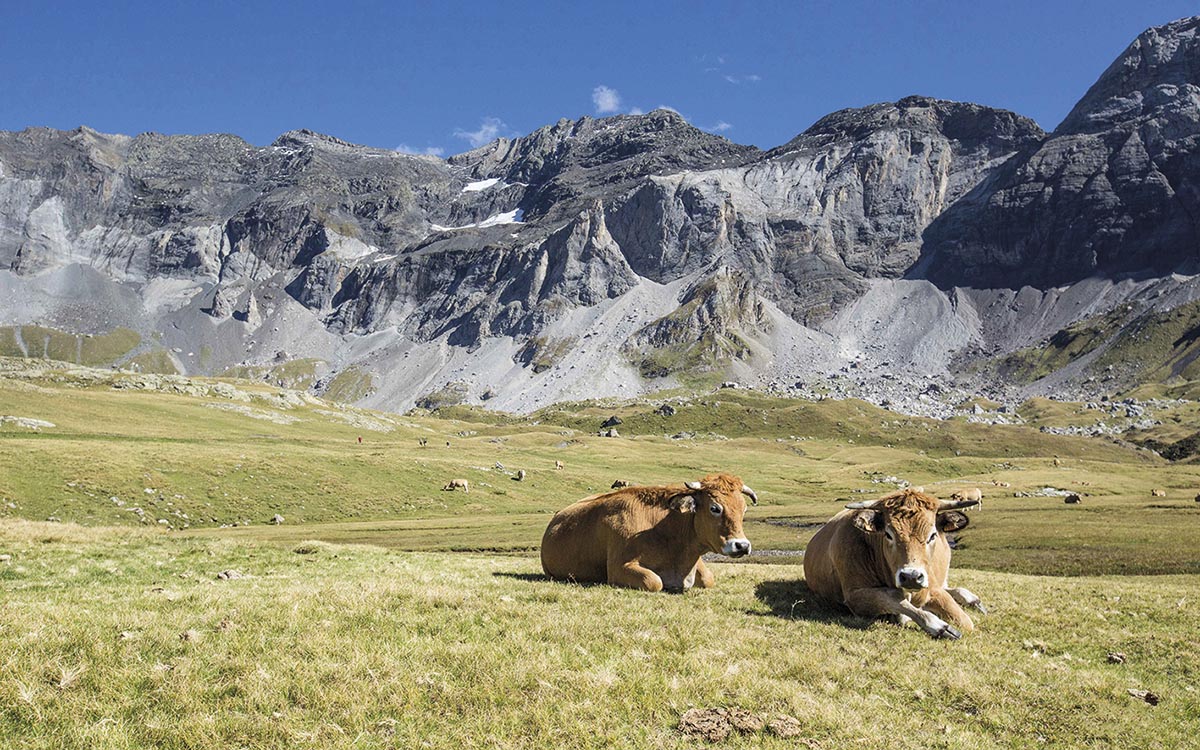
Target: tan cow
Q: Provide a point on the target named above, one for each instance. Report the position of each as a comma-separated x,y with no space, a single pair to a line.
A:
972,494
890,557
649,538
455,484
1158,493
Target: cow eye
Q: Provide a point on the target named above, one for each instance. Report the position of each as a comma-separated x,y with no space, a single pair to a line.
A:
932,536
890,536
715,509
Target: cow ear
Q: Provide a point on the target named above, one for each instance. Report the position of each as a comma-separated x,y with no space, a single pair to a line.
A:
683,503
869,521
952,520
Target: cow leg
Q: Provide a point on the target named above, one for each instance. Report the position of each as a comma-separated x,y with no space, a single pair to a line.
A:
704,576
633,575
942,604
966,598
873,602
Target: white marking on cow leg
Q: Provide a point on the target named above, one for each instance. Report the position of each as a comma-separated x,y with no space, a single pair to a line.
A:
966,598
690,580
903,620
872,602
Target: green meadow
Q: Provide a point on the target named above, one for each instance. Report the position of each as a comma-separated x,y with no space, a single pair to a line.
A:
386,612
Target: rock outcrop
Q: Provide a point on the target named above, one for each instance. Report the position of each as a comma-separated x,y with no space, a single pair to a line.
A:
608,256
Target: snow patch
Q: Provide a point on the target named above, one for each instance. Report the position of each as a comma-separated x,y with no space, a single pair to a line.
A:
475,187
515,216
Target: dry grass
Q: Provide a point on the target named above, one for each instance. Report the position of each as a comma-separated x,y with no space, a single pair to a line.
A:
361,647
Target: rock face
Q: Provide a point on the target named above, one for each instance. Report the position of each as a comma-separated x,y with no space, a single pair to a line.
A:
610,256
1115,189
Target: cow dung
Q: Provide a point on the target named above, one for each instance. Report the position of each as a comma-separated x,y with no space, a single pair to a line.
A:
1145,695
785,726
711,724
716,724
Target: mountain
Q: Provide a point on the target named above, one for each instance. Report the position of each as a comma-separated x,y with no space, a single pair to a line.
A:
895,252
1114,190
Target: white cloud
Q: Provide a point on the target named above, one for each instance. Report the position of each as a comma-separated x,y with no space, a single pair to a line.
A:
720,127
753,78
636,111
735,80
606,99
404,148
489,130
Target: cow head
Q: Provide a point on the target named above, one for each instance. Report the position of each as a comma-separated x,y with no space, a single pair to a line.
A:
908,524
717,503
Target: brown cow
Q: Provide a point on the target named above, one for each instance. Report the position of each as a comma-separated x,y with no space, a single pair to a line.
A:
455,484
649,538
890,557
1158,493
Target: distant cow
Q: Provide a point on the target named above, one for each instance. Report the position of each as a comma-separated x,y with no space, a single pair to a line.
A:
1073,500
558,465
1198,498
973,494
520,477
998,483
1158,493
621,483
422,442
890,557
649,538
455,484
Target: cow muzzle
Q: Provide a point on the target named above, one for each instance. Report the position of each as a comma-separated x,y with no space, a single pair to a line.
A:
912,579
736,548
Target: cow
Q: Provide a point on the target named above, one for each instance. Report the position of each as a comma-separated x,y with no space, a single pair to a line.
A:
972,494
558,465
649,538
619,483
890,557
455,484
998,483
1158,493
520,477
1073,499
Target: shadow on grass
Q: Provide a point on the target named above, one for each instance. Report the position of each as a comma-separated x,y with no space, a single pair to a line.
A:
527,577
792,600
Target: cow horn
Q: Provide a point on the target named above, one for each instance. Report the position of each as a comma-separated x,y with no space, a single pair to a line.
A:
692,485
861,504
750,494
944,505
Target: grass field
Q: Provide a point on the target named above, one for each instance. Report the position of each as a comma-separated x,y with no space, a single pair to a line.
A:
129,639
420,617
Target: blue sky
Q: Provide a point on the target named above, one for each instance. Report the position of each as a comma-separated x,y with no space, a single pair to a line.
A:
443,76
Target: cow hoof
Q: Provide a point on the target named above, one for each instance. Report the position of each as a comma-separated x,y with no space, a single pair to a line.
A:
979,606
949,632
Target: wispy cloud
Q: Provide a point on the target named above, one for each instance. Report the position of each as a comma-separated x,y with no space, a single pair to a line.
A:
735,80
720,127
606,99
404,148
489,130
636,111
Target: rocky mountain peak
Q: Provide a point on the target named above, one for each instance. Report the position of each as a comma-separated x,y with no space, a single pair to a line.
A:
970,124
1158,69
